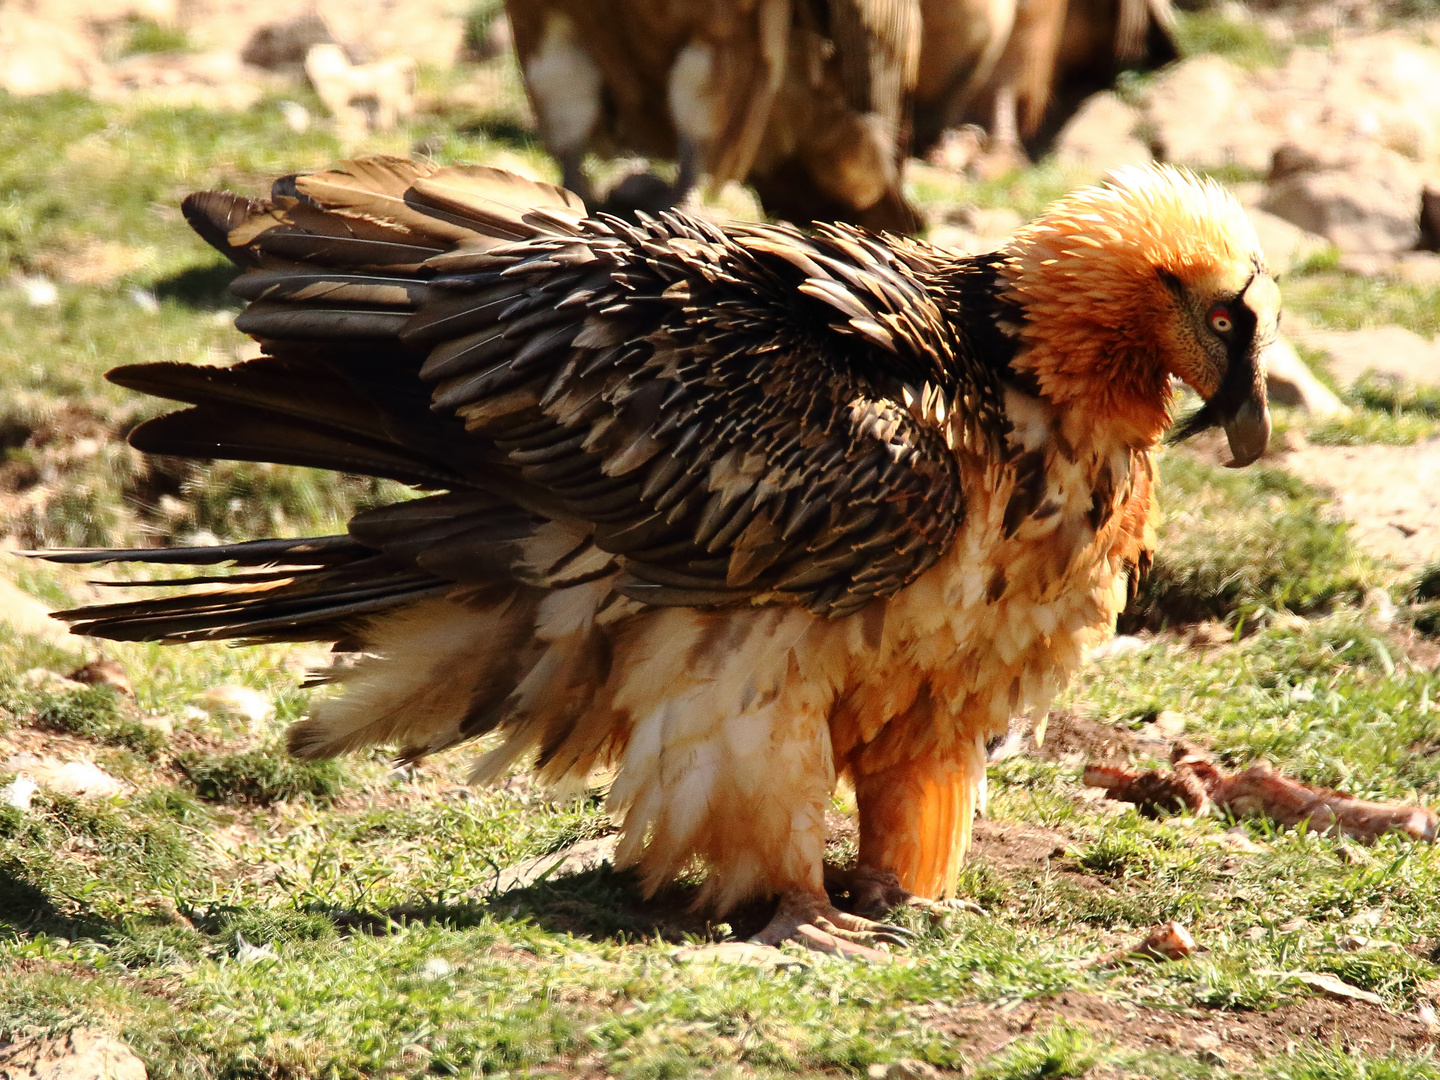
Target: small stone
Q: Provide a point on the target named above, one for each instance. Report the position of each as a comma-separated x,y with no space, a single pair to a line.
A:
144,299
1237,839
437,967
1378,608
1101,136
1363,199
579,858
1334,986
955,238
246,953
904,1069
18,792
1285,244
41,56
1359,943
1225,132
236,703
997,221
281,46
362,97
39,291
958,149
104,673
50,682
1289,381
1388,351
1369,917
164,725
78,778
297,117
1169,723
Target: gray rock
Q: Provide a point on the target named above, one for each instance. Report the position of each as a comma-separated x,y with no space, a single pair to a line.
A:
38,56
1289,381
1101,136
281,46
1285,244
1201,115
1362,198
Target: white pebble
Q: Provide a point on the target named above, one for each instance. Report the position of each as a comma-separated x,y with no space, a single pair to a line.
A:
18,792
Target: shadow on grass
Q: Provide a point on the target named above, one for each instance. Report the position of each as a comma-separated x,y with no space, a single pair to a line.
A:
505,130
205,288
28,911
600,905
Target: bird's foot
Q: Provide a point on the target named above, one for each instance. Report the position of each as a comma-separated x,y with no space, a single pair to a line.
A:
878,892
811,920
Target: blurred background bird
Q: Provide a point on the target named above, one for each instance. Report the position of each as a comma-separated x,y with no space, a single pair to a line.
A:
730,511
807,100
1020,68
815,103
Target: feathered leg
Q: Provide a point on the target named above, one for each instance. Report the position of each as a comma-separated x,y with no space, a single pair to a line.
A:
915,818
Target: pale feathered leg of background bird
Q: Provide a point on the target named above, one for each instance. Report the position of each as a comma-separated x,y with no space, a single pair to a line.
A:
565,86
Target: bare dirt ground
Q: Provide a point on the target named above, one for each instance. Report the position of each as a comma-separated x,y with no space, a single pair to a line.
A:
1390,494
1233,1039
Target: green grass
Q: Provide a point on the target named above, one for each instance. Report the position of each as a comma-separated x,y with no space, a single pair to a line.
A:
1235,544
1345,301
1214,32
1335,1063
94,712
148,36
1063,1050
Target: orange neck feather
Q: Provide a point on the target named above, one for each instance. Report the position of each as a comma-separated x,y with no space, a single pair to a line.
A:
1100,322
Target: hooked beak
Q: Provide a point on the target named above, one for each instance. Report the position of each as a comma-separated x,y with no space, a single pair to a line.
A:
1238,403
1248,431
1239,406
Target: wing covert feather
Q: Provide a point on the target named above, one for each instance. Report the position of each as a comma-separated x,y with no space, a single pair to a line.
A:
744,415
726,415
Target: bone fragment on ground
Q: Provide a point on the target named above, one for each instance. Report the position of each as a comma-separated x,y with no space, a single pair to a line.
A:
1197,783
1168,941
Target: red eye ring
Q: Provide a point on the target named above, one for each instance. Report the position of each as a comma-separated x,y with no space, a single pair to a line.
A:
1220,320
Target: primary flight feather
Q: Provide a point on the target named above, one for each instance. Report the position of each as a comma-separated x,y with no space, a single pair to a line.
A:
732,510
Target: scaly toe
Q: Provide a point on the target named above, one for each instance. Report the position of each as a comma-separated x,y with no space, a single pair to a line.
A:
812,921
873,934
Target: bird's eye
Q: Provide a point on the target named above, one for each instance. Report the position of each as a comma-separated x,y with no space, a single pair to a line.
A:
1220,320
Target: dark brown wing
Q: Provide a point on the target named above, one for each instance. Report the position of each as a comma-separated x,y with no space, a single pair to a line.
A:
717,416
740,415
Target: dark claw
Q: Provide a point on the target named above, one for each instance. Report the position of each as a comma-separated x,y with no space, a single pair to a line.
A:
903,936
